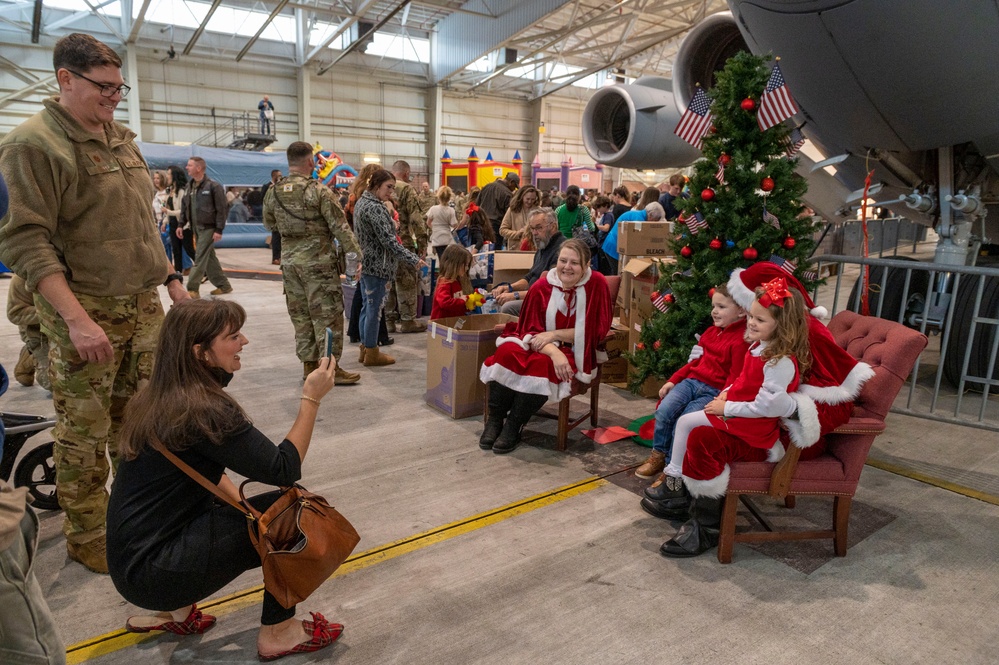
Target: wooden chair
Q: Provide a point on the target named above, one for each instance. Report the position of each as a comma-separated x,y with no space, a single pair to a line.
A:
565,422
891,350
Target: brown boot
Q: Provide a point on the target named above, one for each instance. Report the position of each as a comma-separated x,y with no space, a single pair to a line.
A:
360,358
92,555
24,370
308,367
344,378
375,358
391,326
412,326
194,294
653,466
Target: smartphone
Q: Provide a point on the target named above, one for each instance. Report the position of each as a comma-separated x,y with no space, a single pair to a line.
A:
328,346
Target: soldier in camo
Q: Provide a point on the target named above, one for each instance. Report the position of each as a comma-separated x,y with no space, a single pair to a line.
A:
400,307
428,199
308,217
33,363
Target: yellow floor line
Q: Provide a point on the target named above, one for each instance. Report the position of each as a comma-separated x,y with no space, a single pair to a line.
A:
936,482
120,639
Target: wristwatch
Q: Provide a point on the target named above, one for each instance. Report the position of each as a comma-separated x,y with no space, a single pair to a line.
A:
174,276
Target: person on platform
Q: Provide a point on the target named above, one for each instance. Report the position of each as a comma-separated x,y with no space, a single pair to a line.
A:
171,543
266,108
453,285
543,227
553,343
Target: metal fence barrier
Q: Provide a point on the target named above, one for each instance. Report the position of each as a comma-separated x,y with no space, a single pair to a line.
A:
957,307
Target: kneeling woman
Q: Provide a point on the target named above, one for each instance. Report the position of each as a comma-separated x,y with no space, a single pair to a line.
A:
564,317
169,543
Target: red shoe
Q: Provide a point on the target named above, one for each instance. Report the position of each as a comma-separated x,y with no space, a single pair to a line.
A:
195,624
324,634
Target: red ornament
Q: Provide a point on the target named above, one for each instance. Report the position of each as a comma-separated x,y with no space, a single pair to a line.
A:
715,244
657,345
640,346
654,295
714,130
711,292
669,298
748,105
724,159
767,184
707,194
686,251
789,242
750,253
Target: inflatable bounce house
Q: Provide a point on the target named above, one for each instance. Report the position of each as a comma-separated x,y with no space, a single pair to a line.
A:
565,174
331,170
473,173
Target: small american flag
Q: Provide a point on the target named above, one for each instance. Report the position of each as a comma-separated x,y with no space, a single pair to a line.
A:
720,174
793,142
696,223
696,121
770,218
810,275
776,104
786,265
660,301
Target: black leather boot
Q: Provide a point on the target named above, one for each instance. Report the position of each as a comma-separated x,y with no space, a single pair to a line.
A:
700,533
500,402
670,500
524,407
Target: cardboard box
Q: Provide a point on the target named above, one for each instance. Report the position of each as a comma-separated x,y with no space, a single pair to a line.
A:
456,348
509,266
635,322
614,371
618,342
650,239
632,268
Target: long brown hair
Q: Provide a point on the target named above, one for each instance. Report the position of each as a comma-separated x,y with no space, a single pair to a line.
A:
790,336
183,400
361,180
517,201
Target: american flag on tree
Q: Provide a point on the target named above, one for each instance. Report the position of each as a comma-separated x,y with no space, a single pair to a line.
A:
661,300
770,218
720,173
696,120
776,104
793,142
696,223
787,265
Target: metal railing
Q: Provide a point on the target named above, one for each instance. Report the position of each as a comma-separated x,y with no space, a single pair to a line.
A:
240,131
957,307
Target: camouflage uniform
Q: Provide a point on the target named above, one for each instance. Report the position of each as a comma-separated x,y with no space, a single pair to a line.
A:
413,232
308,216
90,399
427,201
21,312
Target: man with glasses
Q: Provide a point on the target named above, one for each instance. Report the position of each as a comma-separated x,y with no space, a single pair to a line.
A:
543,225
80,231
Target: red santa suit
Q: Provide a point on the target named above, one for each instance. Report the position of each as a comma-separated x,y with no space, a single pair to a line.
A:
824,400
585,308
445,304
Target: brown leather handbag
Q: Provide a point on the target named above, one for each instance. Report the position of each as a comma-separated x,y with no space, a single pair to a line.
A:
301,538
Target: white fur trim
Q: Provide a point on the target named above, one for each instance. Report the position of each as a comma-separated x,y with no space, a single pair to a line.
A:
776,453
845,392
741,294
819,312
522,383
524,343
805,429
712,488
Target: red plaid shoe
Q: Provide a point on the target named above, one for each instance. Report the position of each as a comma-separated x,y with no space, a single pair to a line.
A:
195,624
323,632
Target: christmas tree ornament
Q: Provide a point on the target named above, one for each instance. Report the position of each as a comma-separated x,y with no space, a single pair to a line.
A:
707,194
715,244
669,298
748,105
657,345
640,346
662,301
789,242
686,251
724,159
750,253
767,184
711,292
729,244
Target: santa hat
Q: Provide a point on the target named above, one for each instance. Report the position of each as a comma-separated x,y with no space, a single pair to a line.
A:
744,281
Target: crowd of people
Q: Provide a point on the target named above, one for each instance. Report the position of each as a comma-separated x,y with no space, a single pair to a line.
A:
129,381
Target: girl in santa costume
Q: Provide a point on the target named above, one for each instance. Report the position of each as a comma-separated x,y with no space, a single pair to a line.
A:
743,422
564,316
450,296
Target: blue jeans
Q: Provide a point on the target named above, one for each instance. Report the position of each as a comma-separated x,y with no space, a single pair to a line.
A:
373,293
686,397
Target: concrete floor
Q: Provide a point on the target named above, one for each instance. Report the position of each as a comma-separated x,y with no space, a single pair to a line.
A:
520,575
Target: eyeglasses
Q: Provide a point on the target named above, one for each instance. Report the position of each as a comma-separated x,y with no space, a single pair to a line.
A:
107,90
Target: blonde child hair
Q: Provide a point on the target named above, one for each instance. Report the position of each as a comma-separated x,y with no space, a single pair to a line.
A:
790,337
444,195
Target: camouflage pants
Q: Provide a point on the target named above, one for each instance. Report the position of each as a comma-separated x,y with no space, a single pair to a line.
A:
90,400
38,346
315,302
401,302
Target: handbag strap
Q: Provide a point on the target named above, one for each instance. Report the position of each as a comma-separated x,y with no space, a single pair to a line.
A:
201,480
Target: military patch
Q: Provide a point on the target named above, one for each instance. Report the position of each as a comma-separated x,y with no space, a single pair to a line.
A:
287,188
101,164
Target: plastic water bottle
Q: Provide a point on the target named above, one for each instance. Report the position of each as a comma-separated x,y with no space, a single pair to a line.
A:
489,306
351,268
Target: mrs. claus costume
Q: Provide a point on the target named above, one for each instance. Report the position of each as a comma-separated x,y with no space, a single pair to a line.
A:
548,306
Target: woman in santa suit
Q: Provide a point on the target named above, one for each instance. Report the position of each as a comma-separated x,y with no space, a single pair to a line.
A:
565,314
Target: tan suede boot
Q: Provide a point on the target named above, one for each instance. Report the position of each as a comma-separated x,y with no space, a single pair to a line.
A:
653,466
375,358
92,555
360,358
342,377
24,370
412,326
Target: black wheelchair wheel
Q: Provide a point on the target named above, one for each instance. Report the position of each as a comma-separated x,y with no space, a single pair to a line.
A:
36,471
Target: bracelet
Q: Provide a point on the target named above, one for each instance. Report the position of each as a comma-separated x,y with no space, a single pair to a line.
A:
174,276
311,399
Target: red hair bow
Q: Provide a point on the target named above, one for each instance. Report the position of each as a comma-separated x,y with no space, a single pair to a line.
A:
774,292
472,208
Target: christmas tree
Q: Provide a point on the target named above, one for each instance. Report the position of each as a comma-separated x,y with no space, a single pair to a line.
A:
744,206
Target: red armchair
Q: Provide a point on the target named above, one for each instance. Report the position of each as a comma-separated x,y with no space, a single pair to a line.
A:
891,350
